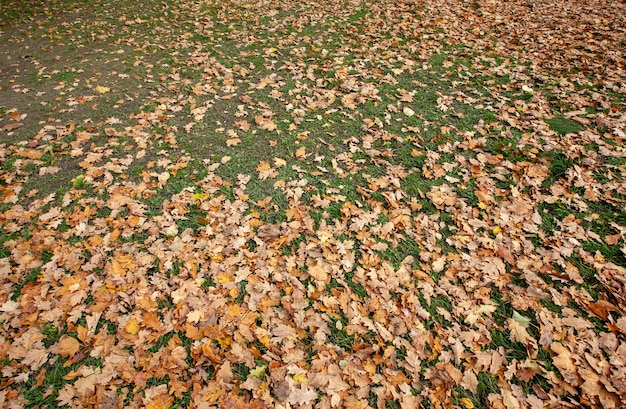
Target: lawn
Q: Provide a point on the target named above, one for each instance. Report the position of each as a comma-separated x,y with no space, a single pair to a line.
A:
312,204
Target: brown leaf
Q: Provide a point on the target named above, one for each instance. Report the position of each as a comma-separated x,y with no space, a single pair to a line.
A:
302,395
233,142
300,152
11,126
243,125
68,346
269,232
265,123
564,361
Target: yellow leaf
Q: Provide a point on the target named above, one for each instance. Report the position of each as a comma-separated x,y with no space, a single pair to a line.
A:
199,196
467,403
265,340
224,341
224,278
263,166
497,230
102,90
300,378
258,371
132,326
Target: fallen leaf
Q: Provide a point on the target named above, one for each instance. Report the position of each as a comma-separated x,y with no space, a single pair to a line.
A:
301,152
68,346
11,126
132,326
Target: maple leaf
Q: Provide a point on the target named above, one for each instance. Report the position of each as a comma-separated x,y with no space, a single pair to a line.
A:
132,326
510,401
265,123
265,170
356,248
243,125
279,163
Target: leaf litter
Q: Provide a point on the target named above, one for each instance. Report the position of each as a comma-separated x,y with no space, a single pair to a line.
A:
290,204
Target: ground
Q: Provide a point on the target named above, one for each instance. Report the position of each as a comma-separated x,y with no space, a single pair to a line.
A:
386,204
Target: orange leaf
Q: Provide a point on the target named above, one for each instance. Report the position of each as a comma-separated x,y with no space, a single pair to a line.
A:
160,402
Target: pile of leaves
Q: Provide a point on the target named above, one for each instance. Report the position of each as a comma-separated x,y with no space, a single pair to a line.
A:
313,204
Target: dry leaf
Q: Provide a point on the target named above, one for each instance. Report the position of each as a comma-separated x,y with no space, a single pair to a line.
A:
11,127
68,346
132,326
301,152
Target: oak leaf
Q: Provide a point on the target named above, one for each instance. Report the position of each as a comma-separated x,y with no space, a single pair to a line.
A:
302,395
564,361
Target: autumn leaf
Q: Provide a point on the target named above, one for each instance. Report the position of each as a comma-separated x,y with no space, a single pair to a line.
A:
11,127
302,395
102,90
160,402
301,152
132,326
68,346
265,170
243,125
265,123
564,361
279,163
298,204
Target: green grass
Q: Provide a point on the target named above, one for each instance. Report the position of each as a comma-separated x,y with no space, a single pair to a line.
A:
562,125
